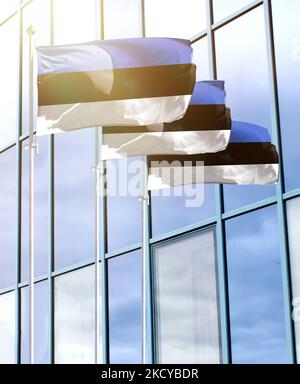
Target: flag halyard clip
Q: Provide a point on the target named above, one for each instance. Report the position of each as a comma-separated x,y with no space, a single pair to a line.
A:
34,145
145,198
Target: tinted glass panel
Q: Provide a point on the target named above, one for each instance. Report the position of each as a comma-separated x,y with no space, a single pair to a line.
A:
7,8
41,208
8,209
41,325
75,21
74,197
244,68
293,210
123,209
186,303
9,80
75,317
175,18
225,8
7,328
122,19
287,42
125,308
255,289
200,58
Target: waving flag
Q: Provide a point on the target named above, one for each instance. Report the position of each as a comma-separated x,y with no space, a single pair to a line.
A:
138,81
250,158
204,128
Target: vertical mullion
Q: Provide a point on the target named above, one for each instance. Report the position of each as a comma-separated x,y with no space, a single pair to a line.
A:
19,197
51,222
220,230
146,208
281,207
101,231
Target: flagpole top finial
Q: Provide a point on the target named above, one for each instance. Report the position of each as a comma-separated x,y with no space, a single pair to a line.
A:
30,30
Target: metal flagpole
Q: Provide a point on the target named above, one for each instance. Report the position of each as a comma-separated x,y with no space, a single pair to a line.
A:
32,150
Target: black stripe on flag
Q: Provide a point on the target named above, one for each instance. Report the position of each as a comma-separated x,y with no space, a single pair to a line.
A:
116,84
235,154
197,118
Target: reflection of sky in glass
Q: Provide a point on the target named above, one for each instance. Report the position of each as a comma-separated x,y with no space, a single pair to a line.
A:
74,197
7,7
122,19
124,217
225,8
242,63
170,18
293,210
41,208
8,214
75,317
287,42
186,300
9,93
125,308
200,58
41,318
75,21
37,14
255,289
7,328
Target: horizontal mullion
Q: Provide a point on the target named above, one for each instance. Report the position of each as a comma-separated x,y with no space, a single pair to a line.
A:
249,208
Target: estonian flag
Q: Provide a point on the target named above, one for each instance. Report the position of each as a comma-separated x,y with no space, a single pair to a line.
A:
250,158
205,128
138,81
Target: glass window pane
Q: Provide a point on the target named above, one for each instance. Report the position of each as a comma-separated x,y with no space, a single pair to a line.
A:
41,325
75,317
293,212
124,219
41,209
75,21
200,58
7,328
8,217
37,14
244,68
9,80
186,300
74,197
175,18
255,289
7,8
287,43
125,308
225,8
172,212
122,19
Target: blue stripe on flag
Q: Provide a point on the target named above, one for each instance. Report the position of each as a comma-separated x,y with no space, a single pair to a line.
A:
208,93
242,132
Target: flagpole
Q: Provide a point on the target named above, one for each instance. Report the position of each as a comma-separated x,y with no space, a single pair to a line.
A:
32,150
145,204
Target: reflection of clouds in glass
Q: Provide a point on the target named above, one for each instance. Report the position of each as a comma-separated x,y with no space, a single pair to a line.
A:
74,197
75,317
125,308
175,18
244,66
287,34
123,213
8,212
186,301
255,289
9,94
293,210
7,328
41,317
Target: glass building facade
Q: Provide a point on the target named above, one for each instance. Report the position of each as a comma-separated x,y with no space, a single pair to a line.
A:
225,277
